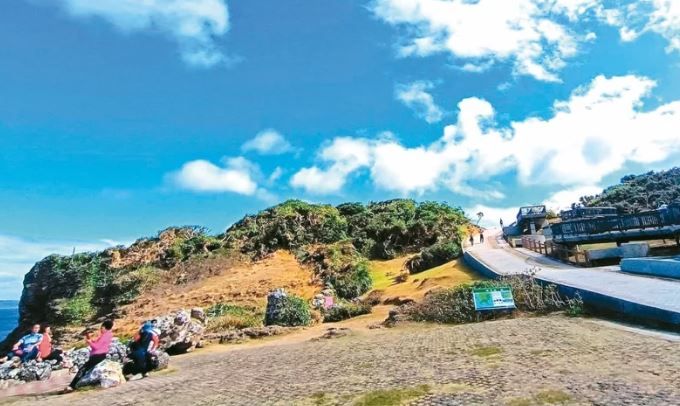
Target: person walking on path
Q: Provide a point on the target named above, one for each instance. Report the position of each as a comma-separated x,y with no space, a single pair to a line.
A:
472,239
27,347
481,238
99,347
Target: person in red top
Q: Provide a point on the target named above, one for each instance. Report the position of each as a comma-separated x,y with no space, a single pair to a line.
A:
99,347
46,352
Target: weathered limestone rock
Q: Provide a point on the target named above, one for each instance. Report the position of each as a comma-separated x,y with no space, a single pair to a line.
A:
275,301
198,313
28,372
240,335
106,374
179,332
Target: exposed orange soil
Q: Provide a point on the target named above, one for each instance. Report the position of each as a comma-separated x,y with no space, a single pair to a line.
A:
416,286
245,284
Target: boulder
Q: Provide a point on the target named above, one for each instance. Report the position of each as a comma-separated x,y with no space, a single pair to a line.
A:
106,374
28,372
35,371
163,360
198,313
117,353
275,302
179,332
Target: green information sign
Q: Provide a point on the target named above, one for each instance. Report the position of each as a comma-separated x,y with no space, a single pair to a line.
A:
493,298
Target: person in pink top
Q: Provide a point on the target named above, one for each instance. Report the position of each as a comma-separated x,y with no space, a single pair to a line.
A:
99,347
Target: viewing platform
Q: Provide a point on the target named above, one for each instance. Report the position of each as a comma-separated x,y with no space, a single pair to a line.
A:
649,225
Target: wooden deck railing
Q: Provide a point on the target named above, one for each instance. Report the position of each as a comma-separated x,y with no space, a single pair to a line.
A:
557,251
643,220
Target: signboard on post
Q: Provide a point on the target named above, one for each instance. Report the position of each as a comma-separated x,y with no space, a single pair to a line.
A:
493,298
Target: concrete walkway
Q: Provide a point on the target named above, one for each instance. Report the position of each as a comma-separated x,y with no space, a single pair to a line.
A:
609,283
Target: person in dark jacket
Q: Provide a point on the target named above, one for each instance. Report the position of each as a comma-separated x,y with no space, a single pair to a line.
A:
142,349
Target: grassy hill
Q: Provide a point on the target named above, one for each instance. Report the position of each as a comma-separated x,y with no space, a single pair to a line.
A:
639,192
300,246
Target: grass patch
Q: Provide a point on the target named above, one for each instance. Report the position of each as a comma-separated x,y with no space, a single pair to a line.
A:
385,397
486,351
320,399
520,402
552,397
224,316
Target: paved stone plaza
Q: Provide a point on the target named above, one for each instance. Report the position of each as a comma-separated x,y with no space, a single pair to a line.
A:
542,360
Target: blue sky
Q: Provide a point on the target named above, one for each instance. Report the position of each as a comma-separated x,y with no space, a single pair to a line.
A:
119,118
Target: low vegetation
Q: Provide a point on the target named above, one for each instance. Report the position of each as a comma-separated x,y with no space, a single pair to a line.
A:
639,192
434,255
345,310
339,266
456,305
384,397
224,316
292,311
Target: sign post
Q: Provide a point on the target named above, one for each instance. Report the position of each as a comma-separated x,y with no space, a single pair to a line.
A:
493,298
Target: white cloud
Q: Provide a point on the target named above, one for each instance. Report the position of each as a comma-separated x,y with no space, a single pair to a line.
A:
268,142
345,156
658,16
416,97
194,24
493,215
524,32
598,130
236,176
537,36
563,199
17,256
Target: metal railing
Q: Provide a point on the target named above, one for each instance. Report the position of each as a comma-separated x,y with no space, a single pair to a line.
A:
643,220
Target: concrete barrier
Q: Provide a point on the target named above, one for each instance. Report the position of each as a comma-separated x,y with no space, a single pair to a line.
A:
664,267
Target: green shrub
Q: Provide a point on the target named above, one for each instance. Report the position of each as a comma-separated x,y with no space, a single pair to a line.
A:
341,266
77,309
290,225
343,311
434,255
291,311
455,305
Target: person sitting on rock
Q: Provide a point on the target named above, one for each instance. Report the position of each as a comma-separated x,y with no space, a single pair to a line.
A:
99,347
142,349
27,347
46,352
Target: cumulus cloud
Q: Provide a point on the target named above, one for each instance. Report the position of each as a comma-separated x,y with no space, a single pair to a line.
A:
17,256
525,32
237,176
416,97
194,24
656,16
563,199
268,142
492,215
537,36
344,155
600,128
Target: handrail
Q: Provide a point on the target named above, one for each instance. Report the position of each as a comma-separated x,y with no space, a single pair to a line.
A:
643,220
557,251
